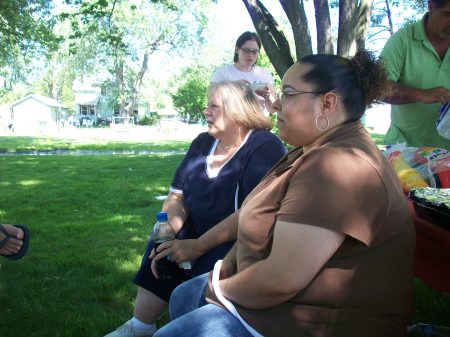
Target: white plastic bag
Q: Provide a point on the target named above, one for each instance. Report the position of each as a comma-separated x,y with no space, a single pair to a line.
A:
443,121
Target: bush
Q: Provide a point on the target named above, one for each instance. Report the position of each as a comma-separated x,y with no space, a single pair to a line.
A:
190,98
153,119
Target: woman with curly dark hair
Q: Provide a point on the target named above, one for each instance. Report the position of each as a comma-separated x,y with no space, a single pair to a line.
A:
325,242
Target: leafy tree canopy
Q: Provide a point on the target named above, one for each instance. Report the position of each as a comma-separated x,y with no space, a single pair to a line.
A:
190,98
25,27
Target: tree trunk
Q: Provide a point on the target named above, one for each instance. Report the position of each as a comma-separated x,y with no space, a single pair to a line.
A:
323,25
118,67
274,41
353,29
295,12
362,26
50,86
389,17
137,86
353,26
346,31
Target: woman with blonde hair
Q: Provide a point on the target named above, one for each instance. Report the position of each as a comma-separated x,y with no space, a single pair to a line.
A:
220,169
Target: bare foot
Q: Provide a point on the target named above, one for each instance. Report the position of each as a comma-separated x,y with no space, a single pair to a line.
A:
15,241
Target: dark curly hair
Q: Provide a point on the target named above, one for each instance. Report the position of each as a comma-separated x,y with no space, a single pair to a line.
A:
360,80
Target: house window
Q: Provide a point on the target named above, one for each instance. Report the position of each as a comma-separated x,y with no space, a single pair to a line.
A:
87,110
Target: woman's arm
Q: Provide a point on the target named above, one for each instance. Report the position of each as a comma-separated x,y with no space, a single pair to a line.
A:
229,267
176,210
224,231
299,251
190,249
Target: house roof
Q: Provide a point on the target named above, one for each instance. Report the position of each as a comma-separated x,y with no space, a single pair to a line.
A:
44,100
87,98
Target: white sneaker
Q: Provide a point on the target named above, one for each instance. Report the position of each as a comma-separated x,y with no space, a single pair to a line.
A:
128,330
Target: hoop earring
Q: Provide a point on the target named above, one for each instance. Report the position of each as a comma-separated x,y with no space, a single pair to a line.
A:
317,122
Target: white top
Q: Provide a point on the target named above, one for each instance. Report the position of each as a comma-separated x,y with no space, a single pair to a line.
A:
255,76
226,303
212,173
231,73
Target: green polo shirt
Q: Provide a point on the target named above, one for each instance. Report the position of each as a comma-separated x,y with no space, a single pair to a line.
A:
412,61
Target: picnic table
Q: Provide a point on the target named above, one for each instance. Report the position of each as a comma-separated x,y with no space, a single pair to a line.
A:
432,256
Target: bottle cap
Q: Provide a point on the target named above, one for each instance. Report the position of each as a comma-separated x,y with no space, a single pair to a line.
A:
161,216
185,265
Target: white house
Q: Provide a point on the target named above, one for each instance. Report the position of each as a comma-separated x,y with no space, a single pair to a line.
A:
87,99
36,113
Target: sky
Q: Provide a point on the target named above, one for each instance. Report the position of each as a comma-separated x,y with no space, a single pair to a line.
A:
234,18
240,22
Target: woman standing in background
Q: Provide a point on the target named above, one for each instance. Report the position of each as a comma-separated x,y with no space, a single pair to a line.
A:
244,69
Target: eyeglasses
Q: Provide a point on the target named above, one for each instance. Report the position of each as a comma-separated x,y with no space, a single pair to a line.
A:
283,94
250,51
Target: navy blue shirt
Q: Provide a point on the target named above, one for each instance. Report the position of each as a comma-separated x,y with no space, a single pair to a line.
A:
209,200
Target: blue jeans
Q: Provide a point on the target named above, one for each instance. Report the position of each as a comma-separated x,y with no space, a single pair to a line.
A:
192,316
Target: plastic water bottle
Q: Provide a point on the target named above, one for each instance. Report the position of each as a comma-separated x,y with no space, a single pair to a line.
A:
163,232
428,330
186,265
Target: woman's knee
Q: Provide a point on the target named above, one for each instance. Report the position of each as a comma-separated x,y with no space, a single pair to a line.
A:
209,320
188,296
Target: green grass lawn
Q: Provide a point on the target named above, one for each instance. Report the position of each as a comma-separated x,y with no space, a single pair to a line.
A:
29,144
89,218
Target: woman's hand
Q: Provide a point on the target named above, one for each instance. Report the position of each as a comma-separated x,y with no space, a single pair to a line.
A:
179,250
244,82
153,264
264,92
268,93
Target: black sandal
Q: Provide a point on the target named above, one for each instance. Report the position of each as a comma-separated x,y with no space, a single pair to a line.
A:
26,239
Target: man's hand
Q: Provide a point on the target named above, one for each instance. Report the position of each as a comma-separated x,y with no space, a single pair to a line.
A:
433,95
400,94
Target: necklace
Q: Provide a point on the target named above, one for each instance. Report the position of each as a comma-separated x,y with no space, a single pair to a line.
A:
227,147
240,139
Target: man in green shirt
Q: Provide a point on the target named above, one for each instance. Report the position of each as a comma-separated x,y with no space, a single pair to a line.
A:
418,63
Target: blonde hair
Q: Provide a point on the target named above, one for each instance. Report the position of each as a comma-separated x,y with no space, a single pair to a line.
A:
240,104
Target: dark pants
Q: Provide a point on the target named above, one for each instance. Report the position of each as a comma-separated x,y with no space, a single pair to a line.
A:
163,288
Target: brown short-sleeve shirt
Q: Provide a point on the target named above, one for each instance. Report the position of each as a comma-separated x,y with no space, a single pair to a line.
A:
345,185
